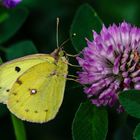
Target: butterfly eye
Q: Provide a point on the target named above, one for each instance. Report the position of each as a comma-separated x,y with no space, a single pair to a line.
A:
62,53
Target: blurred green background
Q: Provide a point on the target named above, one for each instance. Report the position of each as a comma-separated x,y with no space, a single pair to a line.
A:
40,28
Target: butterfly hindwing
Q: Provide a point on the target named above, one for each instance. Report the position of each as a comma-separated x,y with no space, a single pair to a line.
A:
38,93
10,71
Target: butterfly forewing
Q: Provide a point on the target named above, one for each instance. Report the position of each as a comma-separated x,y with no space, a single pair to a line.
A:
10,71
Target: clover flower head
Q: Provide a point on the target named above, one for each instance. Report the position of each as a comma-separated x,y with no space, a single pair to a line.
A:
110,64
11,3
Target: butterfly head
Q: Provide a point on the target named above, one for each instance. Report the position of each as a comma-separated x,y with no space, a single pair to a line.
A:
58,53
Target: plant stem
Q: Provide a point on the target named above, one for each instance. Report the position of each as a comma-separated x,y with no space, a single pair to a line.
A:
19,128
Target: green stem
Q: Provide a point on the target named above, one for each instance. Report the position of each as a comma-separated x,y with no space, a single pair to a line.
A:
19,128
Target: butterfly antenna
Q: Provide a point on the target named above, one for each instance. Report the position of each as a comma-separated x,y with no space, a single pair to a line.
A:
67,40
57,35
57,30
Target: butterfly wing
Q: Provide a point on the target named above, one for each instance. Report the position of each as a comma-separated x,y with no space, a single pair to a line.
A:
10,71
39,94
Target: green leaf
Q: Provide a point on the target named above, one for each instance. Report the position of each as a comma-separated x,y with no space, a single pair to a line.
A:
83,23
90,123
0,61
136,134
12,23
74,86
18,128
22,48
130,100
3,16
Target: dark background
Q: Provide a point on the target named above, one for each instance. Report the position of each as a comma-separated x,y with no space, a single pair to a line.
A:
40,27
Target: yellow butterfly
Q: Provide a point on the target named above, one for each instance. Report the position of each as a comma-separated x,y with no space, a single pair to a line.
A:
33,86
